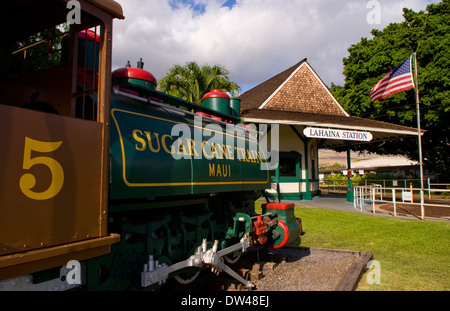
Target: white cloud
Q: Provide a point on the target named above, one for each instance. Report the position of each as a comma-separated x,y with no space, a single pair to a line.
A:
255,39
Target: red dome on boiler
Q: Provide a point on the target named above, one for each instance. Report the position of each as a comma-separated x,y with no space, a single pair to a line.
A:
134,73
216,94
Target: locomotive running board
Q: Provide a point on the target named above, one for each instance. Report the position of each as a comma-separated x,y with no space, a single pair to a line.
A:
154,273
32,261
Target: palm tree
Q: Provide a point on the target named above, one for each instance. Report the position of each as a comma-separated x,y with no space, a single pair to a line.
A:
191,82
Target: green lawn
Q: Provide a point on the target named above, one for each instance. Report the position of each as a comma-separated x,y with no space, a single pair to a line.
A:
413,255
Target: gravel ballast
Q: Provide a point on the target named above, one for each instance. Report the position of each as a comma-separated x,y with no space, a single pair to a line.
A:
307,270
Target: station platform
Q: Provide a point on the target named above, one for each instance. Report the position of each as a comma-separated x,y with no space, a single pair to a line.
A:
339,203
333,202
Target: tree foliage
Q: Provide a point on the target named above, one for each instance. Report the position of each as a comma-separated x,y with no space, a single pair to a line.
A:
191,82
428,34
33,52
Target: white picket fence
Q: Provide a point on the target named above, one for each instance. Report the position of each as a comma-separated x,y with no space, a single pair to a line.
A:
369,196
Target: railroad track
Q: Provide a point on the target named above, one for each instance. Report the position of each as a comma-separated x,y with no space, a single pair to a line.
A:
290,269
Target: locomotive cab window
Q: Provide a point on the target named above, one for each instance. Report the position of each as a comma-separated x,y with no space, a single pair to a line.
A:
47,64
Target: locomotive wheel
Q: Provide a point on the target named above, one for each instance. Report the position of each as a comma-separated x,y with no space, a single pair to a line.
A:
186,277
233,258
183,281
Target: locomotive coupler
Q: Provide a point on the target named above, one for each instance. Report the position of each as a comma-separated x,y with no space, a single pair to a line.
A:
154,273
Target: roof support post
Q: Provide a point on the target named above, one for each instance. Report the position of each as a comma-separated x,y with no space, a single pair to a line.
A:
349,175
307,194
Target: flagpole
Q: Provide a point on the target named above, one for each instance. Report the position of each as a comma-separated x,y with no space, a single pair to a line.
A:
419,136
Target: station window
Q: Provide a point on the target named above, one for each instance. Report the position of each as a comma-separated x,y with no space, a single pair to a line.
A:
288,167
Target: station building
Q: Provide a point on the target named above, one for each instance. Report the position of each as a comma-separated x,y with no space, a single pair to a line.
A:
309,118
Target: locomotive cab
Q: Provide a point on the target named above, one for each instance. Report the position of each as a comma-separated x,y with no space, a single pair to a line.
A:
53,186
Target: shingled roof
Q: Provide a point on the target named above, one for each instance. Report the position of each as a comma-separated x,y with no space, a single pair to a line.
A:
297,89
297,96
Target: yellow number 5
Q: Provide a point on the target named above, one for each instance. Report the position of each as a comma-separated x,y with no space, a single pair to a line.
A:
28,181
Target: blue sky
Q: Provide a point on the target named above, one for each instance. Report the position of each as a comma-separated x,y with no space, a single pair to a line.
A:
198,6
253,39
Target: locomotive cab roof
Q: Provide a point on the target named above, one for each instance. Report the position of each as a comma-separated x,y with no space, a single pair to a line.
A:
41,14
109,6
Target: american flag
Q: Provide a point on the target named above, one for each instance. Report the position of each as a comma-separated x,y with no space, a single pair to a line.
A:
397,80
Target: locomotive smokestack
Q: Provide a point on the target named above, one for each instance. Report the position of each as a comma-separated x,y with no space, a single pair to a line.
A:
140,64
